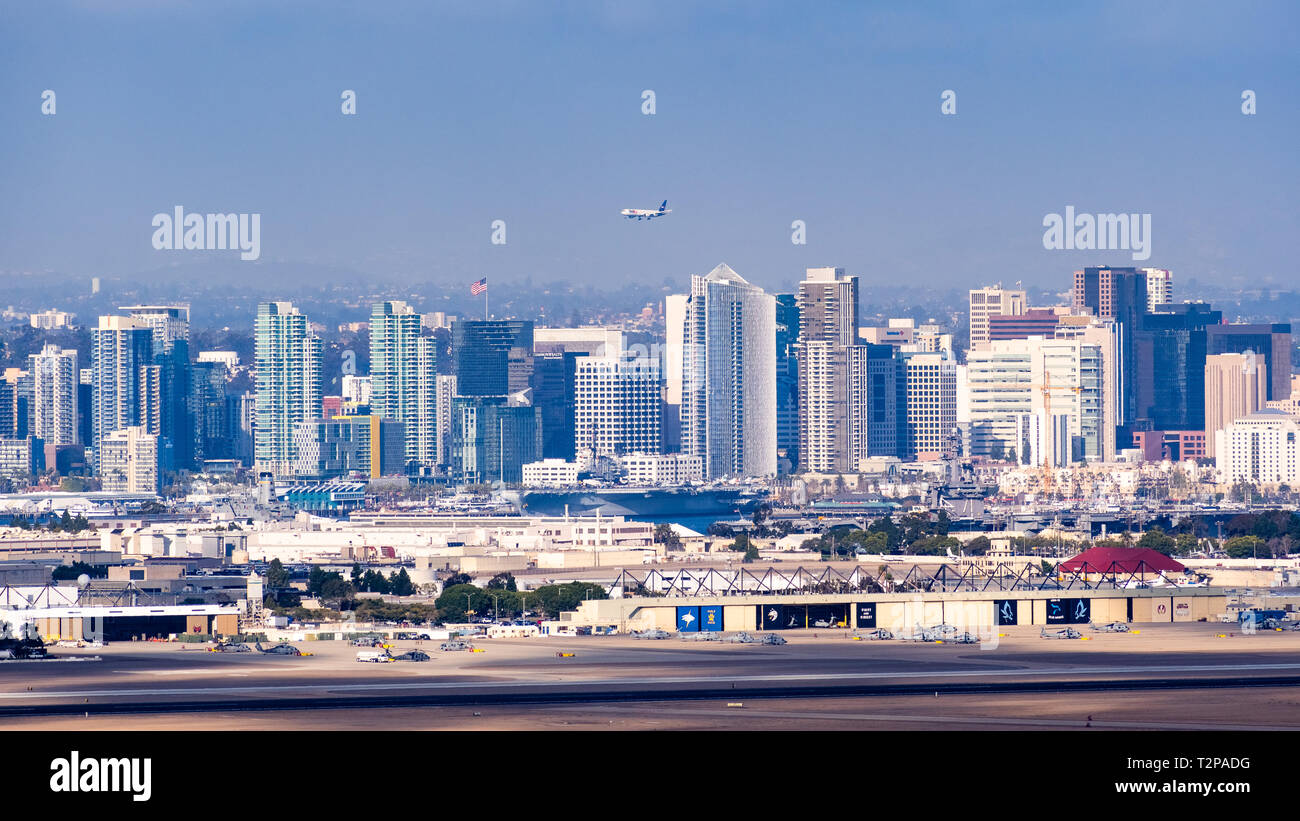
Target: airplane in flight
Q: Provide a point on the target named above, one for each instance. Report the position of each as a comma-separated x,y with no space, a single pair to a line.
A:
645,213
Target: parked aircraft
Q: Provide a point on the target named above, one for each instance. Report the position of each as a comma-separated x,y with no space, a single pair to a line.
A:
1112,627
773,639
880,634
1067,633
653,633
230,647
456,644
281,650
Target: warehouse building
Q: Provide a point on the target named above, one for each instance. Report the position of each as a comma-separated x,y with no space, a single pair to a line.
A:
976,612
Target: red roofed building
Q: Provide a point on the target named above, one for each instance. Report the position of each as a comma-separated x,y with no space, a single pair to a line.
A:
1125,560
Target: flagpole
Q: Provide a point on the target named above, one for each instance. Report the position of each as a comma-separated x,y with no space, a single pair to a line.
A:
485,299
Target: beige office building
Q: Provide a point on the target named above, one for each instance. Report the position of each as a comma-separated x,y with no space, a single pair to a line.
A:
1236,386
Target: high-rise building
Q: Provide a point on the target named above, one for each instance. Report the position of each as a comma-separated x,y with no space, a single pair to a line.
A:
674,328
787,378
165,406
591,341
346,445
618,407
55,382
121,347
1270,343
213,436
1262,448
492,357
404,372
1121,294
931,401
828,328
1169,381
289,383
1043,378
493,437
554,376
1160,288
729,376
446,393
1235,386
994,301
129,461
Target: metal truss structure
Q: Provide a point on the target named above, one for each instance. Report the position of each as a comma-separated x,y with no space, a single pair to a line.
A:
941,578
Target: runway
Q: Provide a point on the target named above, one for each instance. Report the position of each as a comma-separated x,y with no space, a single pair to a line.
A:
521,677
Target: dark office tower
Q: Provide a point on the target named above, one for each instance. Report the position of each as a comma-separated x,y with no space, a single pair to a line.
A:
1119,294
85,414
881,428
493,357
493,439
1170,378
1272,343
787,378
555,398
170,326
8,420
209,410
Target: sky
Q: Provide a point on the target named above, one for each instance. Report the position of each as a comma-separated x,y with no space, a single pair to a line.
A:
765,113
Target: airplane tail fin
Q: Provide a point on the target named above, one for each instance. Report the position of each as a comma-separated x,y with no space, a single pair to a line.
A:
663,206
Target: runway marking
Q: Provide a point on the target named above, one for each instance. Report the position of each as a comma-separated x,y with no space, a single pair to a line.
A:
608,682
1022,722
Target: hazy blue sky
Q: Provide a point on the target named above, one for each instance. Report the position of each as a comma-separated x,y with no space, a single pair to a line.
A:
530,112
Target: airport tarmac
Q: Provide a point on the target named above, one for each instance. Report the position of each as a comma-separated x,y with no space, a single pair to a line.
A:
514,683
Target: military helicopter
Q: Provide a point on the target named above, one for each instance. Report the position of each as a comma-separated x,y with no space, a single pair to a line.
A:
964,638
742,638
773,639
456,644
919,633
880,634
230,647
281,650
1112,627
1067,633
653,633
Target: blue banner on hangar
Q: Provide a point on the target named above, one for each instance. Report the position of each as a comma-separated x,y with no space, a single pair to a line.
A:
688,619
711,618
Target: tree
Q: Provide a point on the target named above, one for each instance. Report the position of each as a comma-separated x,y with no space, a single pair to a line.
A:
333,587
400,584
458,578
978,546
665,535
751,554
457,599
1244,547
741,543
1157,539
502,581
276,575
356,572
1185,544
553,599
373,582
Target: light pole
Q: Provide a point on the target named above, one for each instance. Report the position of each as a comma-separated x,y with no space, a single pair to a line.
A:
468,612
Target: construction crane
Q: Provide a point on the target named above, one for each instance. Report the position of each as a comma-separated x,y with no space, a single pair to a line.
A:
1046,388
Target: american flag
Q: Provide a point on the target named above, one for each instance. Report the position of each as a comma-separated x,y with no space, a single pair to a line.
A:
479,287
